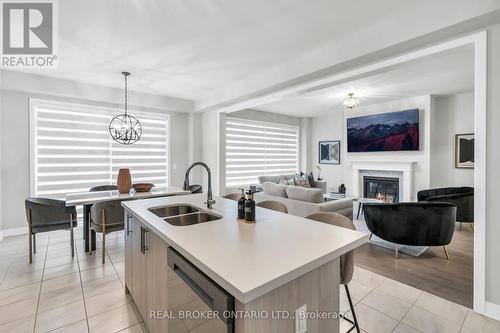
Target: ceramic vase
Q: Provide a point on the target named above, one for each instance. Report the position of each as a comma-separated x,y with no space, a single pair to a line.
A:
124,181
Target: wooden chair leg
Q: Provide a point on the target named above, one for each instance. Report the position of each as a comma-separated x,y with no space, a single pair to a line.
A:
396,251
472,226
71,235
103,225
446,253
34,243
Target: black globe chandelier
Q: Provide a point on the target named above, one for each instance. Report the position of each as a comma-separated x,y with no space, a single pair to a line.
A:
124,128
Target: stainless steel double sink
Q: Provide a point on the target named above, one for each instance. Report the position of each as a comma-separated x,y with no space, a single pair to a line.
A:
183,214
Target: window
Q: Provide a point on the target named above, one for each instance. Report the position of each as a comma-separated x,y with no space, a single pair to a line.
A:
71,149
255,148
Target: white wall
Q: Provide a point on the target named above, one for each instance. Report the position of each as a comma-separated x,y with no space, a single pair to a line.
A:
452,115
326,128
333,127
14,134
210,130
1,154
493,162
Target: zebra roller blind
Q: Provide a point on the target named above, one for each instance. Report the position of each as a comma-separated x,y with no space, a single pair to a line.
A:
256,148
71,149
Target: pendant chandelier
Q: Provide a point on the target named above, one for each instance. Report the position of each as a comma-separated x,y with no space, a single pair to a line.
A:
124,128
351,101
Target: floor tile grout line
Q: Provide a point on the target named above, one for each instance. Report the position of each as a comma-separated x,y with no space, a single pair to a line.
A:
12,260
403,317
463,322
442,317
412,304
138,316
41,281
83,292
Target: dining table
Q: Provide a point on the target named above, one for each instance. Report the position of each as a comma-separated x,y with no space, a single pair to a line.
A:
87,199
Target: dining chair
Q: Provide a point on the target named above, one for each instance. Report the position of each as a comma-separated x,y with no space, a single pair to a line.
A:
233,196
346,260
100,188
106,217
273,205
43,215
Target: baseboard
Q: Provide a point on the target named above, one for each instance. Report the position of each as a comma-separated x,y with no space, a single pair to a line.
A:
13,232
492,310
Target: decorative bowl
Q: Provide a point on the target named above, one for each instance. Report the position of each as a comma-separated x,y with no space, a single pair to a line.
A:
143,187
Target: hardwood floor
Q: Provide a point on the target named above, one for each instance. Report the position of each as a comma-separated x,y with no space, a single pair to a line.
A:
450,279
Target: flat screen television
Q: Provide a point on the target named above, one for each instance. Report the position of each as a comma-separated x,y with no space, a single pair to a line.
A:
391,131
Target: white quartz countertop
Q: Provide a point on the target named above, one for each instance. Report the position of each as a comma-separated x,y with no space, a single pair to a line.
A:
248,260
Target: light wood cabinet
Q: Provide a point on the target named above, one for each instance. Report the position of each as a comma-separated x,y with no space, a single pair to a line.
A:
146,272
157,282
129,221
139,277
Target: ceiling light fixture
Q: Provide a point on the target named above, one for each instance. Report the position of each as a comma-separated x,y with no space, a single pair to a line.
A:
351,101
124,128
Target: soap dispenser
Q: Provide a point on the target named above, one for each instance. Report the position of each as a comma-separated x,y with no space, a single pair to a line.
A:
241,205
249,207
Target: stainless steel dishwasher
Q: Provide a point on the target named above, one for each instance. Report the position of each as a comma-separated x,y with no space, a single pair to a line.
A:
201,304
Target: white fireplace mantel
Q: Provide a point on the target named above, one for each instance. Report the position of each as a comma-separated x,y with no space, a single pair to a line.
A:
406,168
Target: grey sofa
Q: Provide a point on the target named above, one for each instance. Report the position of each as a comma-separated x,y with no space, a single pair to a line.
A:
302,201
276,180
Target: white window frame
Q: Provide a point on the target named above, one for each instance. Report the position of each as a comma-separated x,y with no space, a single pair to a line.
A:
82,107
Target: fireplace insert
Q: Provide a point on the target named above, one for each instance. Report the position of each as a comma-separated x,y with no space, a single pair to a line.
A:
382,188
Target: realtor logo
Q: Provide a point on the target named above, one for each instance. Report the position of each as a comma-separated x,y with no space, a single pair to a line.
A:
28,31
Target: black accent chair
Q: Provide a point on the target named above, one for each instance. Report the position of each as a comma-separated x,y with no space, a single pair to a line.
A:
412,223
463,197
45,215
100,188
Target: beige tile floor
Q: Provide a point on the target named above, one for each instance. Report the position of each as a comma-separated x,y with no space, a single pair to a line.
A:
58,293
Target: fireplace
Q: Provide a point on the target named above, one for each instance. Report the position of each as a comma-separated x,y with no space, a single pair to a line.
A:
382,188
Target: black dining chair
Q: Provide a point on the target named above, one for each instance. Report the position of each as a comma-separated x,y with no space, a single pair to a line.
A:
45,215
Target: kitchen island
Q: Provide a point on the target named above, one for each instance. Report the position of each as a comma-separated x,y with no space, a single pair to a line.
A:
263,272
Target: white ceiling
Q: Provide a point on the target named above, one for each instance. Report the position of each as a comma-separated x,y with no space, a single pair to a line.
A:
445,74
191,48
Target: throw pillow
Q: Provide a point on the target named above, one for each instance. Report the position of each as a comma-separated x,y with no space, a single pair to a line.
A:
303,182
305,194
287,182
310,176
274,189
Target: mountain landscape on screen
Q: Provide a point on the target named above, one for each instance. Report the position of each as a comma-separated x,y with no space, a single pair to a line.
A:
392,131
